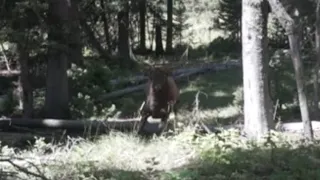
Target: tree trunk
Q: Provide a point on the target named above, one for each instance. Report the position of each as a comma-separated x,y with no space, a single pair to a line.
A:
142,13
169,27
57,96
258,120
159,46
265,14
291,28
26,89
123,42
316,71
75,44
298,68
105,25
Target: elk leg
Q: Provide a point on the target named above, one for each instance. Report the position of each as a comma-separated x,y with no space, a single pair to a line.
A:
163,124
142,123
173,108
141,107
175,112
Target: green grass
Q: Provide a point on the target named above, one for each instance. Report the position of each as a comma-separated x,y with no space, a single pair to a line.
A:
126,157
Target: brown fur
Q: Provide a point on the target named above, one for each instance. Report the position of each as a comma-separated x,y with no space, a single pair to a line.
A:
162,96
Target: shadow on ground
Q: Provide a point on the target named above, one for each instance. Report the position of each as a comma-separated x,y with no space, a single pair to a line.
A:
256,163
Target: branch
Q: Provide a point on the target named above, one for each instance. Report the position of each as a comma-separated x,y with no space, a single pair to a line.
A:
5,57
92,39
284,18
25,170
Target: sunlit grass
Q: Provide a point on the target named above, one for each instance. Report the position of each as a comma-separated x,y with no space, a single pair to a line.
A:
125,156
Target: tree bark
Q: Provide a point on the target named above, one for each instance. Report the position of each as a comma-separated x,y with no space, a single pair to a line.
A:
316,71
258,120
25,85
142,13
288,23
265,14
169,27
159,46
123,30
105,25
57,95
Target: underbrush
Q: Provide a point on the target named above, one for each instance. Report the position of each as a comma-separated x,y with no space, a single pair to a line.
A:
184,156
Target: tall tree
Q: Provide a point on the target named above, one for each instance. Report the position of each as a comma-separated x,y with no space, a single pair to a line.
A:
123,30
292,29
57,95
158,28
317,50
169,27
142,14
257,111
104,18
229,18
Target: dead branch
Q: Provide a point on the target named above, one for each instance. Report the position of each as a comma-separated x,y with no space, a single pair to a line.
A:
5,57
25,170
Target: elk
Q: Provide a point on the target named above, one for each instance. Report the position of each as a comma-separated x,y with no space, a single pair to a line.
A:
162,96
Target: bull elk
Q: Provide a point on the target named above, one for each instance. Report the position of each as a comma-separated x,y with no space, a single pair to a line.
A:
162,96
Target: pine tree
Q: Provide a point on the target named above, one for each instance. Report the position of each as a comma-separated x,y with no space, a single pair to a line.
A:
229,18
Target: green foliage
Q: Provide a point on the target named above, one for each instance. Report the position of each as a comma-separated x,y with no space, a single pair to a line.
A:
179,10
282,77
221,46
8,102
283,84
230,157
88,85
276,34
229,18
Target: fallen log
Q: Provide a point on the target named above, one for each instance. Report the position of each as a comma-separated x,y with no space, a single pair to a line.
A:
99,126
105,126
7,73
191,72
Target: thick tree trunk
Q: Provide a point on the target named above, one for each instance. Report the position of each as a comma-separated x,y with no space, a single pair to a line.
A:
316,71
57,96
269,103
258,120
26,89
142,13
290,26
75,44
169,27
298,68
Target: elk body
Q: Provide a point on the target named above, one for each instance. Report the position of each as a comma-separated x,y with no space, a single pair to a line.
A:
162,95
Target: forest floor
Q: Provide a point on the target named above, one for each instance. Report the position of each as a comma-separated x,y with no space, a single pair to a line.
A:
184,156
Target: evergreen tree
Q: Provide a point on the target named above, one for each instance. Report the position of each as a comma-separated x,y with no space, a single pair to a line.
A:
229,18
